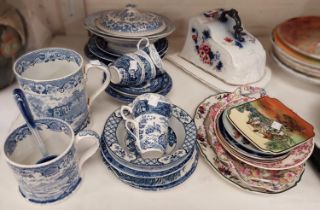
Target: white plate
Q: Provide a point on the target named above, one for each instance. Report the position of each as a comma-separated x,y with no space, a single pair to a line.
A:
293,72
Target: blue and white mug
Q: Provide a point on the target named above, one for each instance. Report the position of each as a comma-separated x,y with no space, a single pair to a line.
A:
54,82
148,123
52,180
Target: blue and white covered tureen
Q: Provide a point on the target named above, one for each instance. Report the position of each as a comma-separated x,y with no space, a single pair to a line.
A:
130,22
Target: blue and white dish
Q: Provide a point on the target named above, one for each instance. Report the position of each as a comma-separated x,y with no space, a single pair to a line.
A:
54,82
238,147
106,56
162,182
114,136
125,98
90,24
147,87
122,45
56,178
130,22
92,47
105,154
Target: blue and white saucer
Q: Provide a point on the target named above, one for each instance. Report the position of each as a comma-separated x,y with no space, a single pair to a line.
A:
162,182
91,56
122,168
99,53
149,87
125,97
114,136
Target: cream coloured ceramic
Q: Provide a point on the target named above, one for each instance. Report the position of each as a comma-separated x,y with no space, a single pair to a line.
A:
302,34
270,125
294,73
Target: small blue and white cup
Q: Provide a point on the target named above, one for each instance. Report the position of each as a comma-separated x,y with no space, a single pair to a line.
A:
54,82
128,70
147,120
133,69
149,51
52,178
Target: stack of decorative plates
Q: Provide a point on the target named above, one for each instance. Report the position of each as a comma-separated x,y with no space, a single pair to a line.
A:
253,140
97,49
296,47
120,155
118,31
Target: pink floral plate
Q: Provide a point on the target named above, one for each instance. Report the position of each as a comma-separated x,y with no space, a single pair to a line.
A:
296,157
239,173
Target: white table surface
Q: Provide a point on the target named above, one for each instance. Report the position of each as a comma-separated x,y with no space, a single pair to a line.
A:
100,189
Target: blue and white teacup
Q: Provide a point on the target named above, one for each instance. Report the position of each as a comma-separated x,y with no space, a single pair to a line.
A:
133,69
128,70
149,51
54,82
49,179
148,123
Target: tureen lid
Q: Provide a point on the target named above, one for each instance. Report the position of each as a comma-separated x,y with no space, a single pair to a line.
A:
130,22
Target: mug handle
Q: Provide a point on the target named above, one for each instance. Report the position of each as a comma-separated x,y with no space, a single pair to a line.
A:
135,126
87,135
95,64
122,111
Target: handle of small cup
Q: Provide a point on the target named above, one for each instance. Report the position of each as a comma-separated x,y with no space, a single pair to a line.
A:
123,109
135,126
141,40
86,136
95,64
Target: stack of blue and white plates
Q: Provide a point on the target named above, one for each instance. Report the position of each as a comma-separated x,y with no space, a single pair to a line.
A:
116,32
120,155
97,49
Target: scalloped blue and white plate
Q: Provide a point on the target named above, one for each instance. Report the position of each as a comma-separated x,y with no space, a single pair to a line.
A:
162,182
114,136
